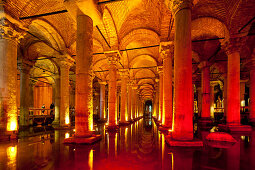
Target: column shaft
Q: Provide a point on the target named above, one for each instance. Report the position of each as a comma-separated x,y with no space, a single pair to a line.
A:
112,95
252,95
205,92
183,118
233,91
123,105
84,98
167,90
130,117
102,101
161,96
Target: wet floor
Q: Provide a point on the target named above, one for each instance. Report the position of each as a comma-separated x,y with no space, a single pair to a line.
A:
137,146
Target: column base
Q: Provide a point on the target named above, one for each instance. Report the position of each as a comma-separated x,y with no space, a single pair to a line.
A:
65,127
184,143
112,128
235,128
55,123
205,123
8,136
164,128
220,140
124,123
90,139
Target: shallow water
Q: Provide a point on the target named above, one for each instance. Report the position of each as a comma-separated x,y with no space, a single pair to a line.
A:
137,146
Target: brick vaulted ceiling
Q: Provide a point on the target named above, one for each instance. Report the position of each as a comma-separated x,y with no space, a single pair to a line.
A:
138,23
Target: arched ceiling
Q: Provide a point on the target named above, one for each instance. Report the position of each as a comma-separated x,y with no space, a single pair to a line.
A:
130,24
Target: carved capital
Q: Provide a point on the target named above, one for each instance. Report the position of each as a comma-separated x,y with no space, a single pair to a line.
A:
177,5
113,57
9,30
65,61
233,45
25,66
160,70
203,64
102,83
124,73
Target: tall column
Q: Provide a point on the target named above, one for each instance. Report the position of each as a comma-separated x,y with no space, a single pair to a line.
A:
242,93
102,101
56,87
123,105
157,98
112,92
65,63
130,117
225,95
25,68
252,94
161,94
205,90
233,84
212,99
8,75
183,118
134,101
199,100
167,86
84,98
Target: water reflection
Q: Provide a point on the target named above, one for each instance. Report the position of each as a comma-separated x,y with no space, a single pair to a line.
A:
137,146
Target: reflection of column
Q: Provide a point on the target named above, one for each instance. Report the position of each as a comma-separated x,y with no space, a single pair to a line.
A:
130,101
112,92
205,90
123,105
57,101
8,75
24,93
64,90
183,118
252,95
161,95
102,100
167,87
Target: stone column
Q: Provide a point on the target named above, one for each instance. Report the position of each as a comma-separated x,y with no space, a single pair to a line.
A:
252,94
112,92
102,101
8,75
157,98
134,88
56,121
225,95
25,67
64,64
242,93
205,115
212,100
161,94
167,117
183,118
123,105
199,100
130,101
233,84
84,98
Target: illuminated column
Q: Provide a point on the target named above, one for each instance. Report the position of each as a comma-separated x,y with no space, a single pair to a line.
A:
212,99
84,98
57,101
233,84
183,118
199,102
123,105
161,95
65,63
112,93
134,88
8,74
102,100
225,95
25,67
167,86
157,98
205,90
130,117
252,94
242,92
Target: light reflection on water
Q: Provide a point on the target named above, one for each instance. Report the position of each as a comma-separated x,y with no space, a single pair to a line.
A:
137,146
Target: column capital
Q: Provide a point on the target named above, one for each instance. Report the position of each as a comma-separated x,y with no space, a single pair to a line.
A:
160,70
166,49
25,65
177,5
10,31
102,82
113,57
233,45
124,72
203,64
65,61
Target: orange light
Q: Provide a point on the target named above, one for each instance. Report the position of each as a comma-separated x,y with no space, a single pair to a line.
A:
12,122
90,161
67,135
90,119
11,154
67,119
